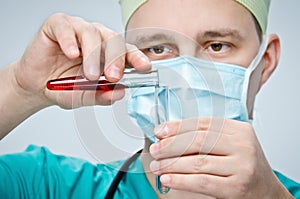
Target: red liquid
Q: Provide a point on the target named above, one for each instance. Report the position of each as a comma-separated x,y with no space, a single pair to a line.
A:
81,83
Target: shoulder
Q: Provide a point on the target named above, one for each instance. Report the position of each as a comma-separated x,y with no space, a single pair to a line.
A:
42,157
39,171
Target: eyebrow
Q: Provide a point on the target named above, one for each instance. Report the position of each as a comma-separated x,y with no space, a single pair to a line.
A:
224,32
157,37
149,39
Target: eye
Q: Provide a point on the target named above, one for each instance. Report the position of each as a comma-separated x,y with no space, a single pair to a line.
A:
218,47
160,52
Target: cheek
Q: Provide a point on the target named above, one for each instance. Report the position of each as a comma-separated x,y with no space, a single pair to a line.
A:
245,55
249,50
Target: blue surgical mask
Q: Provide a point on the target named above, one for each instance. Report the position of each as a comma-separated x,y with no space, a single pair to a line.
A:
194,88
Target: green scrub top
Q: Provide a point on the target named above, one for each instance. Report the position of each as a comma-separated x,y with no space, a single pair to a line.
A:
38,173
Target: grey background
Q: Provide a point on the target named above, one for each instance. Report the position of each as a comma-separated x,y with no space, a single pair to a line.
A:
277,107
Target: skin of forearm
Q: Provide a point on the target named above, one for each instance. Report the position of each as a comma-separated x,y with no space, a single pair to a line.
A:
16,104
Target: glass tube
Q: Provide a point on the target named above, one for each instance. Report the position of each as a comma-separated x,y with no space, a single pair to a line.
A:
162,115
130,79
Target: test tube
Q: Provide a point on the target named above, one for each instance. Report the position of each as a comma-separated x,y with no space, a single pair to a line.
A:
131,79
162,115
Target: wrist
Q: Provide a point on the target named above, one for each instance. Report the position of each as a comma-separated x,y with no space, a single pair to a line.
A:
280,190
35,100
16,103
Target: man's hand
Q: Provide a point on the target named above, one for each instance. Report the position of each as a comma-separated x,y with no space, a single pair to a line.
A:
64,46
215,157
67,46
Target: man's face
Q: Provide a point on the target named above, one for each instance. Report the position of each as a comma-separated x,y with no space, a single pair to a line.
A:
222,29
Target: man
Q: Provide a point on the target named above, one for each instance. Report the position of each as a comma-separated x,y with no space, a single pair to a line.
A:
229,32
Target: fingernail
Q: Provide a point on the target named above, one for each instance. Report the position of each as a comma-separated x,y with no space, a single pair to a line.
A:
154,166
114,72
73,51
165,179
144,59
153,148
92,73
161,130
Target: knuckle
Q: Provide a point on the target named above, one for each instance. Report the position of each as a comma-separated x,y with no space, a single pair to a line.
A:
243,184
199,162
242,188
204,123
78,19
58,15
93,30
106,32
88,28
199,140
54,18
249,170
56,25
97,25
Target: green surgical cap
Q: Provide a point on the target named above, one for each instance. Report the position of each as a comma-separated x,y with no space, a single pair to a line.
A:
259,9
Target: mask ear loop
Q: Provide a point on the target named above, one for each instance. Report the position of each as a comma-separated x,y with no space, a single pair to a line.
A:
256,62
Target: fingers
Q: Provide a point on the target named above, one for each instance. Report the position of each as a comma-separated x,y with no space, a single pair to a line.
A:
191,136
86,98
136,58
194,164
223,125
118,54
114,51
202,136
193,157
97,44
109,97
90,40
173,128
202,155
62,32
200,183
74,34
193,142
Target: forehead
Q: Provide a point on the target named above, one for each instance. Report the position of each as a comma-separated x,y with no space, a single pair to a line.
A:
193,16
